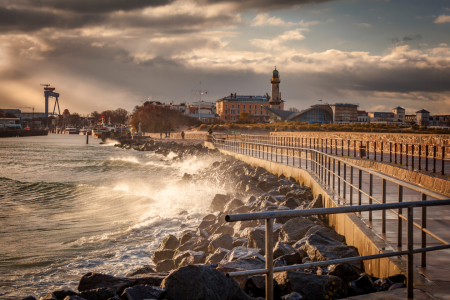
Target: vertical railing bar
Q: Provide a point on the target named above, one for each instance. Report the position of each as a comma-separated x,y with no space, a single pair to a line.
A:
269,259
370,194
351,185
383,212
410,261
399,220
423,240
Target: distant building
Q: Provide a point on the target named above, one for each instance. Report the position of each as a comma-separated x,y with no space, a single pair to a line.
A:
381,117
423,117
24,115
10,123
202,110
363,117
439,120
229,108
399,114
344,113
410,119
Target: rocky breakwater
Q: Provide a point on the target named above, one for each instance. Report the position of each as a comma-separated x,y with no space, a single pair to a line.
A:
179,150
193,264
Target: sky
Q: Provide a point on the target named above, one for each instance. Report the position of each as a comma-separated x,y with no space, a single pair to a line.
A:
106,54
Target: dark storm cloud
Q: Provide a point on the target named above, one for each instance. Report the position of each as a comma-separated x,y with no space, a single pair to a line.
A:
265,4
89,6
26,20
406,38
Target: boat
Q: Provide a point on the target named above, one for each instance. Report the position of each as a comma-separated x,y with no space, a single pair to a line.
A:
85,131
70,130
96,133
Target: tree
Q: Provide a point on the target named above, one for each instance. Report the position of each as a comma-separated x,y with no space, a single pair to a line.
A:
75,119
245,117
1,113
96,115
121,115
294,109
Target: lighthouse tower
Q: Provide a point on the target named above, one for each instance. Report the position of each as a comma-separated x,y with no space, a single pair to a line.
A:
275,99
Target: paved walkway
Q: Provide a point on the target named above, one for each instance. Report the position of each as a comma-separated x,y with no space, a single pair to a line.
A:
438,218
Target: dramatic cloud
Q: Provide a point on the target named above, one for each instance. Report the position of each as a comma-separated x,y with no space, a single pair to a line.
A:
406,38
442,19
265,4
269,44
264,19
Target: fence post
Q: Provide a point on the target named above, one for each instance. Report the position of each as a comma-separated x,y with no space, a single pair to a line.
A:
412,156
345,179
269,259
370,194
399,220
375,150
359,186
382,153
334,172
390,152
443,156
351,185
339,178
409,268
383,212
423,240
426,157
434,158
420,157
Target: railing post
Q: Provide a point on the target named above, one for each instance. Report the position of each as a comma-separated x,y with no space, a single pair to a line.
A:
382,153
329,170
423,240
354,148
399,220
401,154
351,185
420,157
406,155
342,147
412,156
375,150
434,158
339,178
367,152
359,186
334,172
395,153
409,268
269,259
343,181
383,212
390,152
426,157
442,164
370,194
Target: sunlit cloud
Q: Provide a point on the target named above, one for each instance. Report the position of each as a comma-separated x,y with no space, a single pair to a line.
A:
442,19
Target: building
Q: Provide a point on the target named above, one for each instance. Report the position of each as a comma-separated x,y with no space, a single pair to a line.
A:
423,117
24,115
10,123
202,110
319,113
229,108
344,113
363,116
381,117
439,120
410,119
399,114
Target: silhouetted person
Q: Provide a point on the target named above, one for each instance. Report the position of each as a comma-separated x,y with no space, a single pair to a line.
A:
182,135
210,130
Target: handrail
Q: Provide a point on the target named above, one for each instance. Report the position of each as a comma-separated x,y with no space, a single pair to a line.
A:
270,216
324,166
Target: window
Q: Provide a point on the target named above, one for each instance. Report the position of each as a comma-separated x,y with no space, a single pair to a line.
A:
249,107
243,107
225,118
225,113
226,106
238,111
239,106
232,105
256,112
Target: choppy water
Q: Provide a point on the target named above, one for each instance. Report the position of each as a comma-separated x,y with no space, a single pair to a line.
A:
67,208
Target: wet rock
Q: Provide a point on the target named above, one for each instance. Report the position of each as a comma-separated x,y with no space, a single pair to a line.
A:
281,249
316,203
210,229
311,286
160,255
72,298
344,271
284,189
241,264
92,281
363,285
243,209
224,229
186,177
186,236
397,286
268,177
142,291
294,229
240,242
293,259
29,298
165,265
256,236
209,217
299,194
244,252
202,233
293,296
99,294
321,247
195,244
169,242
241,225
256,287
146,269
382,284
217,256
327,231
219,201
399,278
206,223
202,283
195,257
224,240
291,202
59,295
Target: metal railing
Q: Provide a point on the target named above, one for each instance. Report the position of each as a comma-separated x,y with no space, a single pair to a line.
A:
270,216
428,157
327,170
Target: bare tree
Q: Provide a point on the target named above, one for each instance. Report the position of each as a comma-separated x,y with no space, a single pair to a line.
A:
294,109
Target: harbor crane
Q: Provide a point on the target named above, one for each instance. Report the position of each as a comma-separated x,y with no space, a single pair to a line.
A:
48,92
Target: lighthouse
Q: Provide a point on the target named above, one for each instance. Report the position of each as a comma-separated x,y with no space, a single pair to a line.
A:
275,99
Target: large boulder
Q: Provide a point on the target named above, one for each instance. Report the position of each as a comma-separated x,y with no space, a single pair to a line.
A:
299,194
256,287
295,229
314,287
217,256
194,257
219,201
281,249
92,281
224,229
257,236
363,285
145,269
59,295
99,294
187,235
202,283
160,255
327,231
346,272
232,204
166,265
291,202
143,291
316,203
241,225
195,244
206,223
321,247
169,242
244,252
223,240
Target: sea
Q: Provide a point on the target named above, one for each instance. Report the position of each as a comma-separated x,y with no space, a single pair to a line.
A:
68,208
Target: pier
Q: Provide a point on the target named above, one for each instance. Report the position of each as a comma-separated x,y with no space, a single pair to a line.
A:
20,133
373,210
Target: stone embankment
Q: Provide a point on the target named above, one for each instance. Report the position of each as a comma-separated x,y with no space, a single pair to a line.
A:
193,264
20,133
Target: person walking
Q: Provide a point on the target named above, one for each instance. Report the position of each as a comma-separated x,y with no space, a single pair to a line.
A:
210,131
182,135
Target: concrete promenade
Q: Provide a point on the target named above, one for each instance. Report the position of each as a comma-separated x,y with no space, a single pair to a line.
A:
438,218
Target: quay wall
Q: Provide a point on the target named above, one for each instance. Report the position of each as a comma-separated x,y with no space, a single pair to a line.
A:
20,133
356,232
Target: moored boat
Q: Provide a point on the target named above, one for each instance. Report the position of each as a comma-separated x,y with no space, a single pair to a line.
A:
71,130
